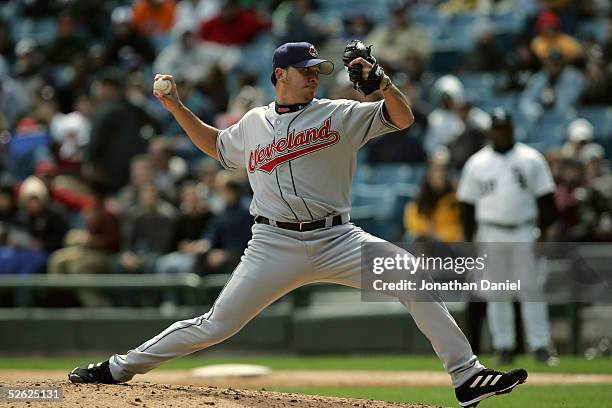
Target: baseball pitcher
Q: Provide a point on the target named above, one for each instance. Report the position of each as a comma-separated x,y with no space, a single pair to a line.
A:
299,153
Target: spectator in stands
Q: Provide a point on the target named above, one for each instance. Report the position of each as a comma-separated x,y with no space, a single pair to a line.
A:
454,7
13,100
65,191
486,55
7,46
45,107
443,123
302,21
183,58
579,145
598,75
455,123
8,212
189,60
41,230
197,102
142,172
554,158
95,62
92,15
249,96
403,146
215,87
149,231
416,77
434,215
28,66
414,68
70,134
206,172
596,210
593,159
191,13
119,131
471,133
190,247
568,195
234,25
607,41
228,232
551,38
522,66
37,9
88,250
67,45
557,87
357,27
127,48
169,169
393,39
153,18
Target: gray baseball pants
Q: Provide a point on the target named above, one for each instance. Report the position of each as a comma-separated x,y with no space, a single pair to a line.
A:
276,262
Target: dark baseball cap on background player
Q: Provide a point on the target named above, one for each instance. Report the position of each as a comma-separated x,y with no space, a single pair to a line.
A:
500,118
299,55
501,134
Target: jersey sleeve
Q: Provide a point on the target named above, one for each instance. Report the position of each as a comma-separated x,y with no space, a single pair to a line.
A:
230,146
364,121
542,182
468,191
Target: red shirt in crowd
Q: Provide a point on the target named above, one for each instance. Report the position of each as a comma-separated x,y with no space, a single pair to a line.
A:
237,30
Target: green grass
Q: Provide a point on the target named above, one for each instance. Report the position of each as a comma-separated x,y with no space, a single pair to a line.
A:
572,396
385,363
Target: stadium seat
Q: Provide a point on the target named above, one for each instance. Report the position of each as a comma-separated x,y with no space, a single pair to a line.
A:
601,119
396,173
445,57
505,100
592,29
478,87
550,130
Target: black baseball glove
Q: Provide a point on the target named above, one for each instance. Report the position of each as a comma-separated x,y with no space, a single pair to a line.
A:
356,49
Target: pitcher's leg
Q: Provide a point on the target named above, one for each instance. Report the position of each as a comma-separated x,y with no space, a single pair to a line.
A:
447,339
242,299
342,264
256,283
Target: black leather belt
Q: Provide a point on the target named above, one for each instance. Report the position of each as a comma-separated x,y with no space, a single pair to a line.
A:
300,226
508,226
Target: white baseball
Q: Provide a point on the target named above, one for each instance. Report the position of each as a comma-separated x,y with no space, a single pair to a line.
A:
163,86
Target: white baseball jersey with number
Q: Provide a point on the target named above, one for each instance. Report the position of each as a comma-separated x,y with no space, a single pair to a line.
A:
300,166
504,187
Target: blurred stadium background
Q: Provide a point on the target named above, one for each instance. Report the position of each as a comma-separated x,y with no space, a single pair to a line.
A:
113,226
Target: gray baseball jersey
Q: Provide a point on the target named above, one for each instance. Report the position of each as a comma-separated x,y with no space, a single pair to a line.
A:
300,166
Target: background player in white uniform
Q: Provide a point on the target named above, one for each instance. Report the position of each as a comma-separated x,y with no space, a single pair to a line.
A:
299,153
506,190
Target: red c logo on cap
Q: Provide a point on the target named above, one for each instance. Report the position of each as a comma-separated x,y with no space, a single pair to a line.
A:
313,51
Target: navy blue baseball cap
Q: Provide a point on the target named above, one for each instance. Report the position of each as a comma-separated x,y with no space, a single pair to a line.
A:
299,55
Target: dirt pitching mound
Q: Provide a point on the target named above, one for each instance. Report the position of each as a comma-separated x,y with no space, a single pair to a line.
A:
149,395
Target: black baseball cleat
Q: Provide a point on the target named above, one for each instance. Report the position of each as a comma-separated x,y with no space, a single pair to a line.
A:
487,383
92,373
504,356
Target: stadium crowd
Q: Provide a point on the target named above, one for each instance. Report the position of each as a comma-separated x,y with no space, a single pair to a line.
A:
96,177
